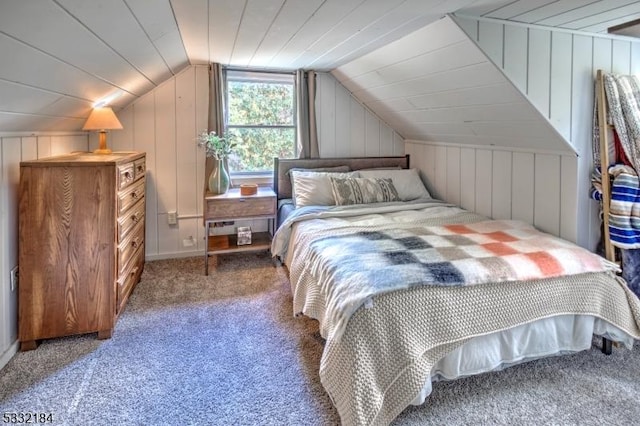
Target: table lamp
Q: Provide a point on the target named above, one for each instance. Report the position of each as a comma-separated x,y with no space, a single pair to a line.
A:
102,119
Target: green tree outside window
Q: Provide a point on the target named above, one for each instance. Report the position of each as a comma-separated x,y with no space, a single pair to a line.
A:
261,121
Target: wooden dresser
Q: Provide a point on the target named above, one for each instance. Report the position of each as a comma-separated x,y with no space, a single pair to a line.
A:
81,242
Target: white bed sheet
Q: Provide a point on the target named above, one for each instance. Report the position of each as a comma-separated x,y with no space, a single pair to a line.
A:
546,337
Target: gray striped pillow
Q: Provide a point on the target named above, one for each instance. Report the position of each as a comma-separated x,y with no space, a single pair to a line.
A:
363,190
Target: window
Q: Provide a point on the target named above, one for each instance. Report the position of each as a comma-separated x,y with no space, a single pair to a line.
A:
260,119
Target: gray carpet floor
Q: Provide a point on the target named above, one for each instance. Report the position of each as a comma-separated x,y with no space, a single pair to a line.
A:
225,349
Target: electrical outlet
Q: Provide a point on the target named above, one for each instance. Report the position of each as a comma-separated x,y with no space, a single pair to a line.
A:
189,242
172,218
14,279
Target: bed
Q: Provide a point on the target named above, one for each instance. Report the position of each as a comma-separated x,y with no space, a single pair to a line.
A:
409,290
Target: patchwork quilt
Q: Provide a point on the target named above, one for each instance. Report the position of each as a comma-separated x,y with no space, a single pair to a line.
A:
352,265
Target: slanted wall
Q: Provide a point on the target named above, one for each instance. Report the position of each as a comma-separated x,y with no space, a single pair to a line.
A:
556,71
496,115
478,140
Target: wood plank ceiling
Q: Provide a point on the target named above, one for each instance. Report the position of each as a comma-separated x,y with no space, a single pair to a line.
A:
61,56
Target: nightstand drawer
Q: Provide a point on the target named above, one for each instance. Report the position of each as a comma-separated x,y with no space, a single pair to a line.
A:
130,196
241,207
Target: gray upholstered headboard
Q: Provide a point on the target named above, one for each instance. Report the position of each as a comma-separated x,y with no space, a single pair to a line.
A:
282,182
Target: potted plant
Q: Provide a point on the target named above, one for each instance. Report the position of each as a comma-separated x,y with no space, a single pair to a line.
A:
218,148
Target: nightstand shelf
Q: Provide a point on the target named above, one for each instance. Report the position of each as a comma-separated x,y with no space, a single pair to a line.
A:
232,206
219,244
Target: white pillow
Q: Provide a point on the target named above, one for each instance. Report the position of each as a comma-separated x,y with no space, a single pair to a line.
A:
314,188
406,181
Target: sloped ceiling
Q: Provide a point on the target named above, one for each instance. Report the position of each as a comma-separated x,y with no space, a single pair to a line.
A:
61,56
437,85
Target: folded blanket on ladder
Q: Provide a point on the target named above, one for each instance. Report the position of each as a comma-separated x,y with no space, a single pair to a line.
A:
624,209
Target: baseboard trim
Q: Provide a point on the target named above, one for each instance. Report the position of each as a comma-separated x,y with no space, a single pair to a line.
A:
9,353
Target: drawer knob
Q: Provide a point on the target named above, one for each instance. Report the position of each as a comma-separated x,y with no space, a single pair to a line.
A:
134,218
134,195
134,270
134,243
127,175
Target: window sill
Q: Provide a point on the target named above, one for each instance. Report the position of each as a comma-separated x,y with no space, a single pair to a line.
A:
259,179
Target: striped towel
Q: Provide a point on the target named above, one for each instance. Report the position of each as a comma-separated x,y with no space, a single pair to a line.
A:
596,184
624,214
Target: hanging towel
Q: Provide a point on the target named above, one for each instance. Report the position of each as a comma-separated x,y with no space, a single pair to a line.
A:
624,209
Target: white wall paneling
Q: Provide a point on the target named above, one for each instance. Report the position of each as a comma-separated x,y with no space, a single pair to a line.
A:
440,172
356,132
522,192
468,178
502,183
538,77
569,197
515,57
326,104
501,204
165,123
484,181
546,214
11,157
559,81
371,134
166,155
346,128
201,119
144,136
453,181
491,37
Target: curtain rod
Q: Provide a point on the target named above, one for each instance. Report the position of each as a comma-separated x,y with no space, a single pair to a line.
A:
257,70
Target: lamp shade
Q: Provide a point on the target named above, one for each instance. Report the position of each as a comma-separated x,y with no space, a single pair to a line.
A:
102,118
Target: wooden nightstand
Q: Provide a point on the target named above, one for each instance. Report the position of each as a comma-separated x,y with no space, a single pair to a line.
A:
232,206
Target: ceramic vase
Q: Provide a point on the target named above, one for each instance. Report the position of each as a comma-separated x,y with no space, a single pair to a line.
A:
219,178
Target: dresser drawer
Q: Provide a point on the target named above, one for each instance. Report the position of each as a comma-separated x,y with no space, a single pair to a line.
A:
241,207
126,175
140,167
129,219
130,196
129,246
128,279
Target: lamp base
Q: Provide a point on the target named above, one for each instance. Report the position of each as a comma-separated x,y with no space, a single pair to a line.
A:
102,151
